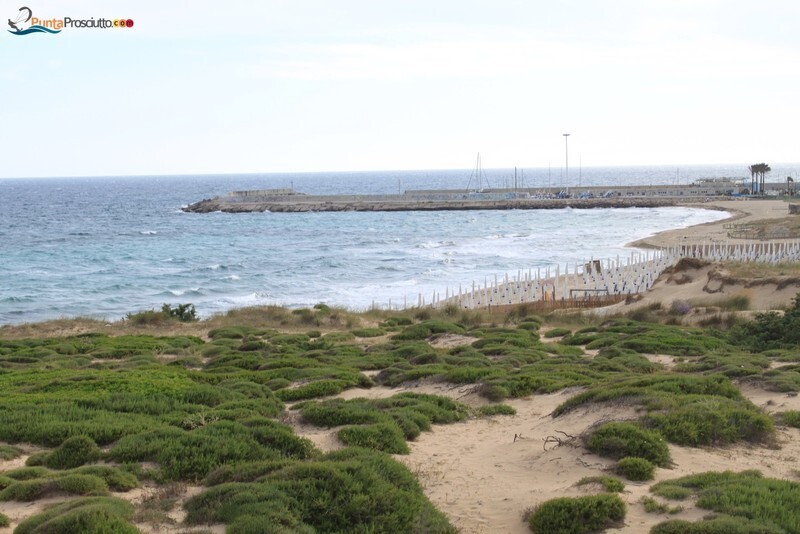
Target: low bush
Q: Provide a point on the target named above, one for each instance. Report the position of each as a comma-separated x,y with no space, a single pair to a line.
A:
557,332
497,409
384,437
4,521
426,329
620,440
7,452
246,472
74,452
716,525
26,490
98,515
114,478
319,388
636,469
767,503
351,490
577,515
708,421
368,332
82,484
652,506
791,418
610,484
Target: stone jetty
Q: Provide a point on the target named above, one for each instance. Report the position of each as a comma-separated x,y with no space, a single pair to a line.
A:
288,200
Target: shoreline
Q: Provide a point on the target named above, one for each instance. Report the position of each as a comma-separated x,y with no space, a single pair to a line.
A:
741,211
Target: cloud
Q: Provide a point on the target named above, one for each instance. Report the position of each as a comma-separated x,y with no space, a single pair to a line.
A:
535,59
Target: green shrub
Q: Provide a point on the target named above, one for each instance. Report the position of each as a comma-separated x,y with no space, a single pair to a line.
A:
73,452
115,478
182,312
26,490
717,525
557,332
27,473
610,484
385,437
91,515
268,524
7,452
767,503
770,330
426,329
82,484
351,490
4,521
791,418
707,421
652,506
368,332
636,469
246,472
577,515
319,388
497,409
618,440
671,491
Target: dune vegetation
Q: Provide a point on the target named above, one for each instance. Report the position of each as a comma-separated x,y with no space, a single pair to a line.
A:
216,404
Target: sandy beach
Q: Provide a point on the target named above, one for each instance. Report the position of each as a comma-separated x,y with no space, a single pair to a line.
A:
742,212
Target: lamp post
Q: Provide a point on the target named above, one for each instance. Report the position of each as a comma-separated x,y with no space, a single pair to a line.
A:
566,155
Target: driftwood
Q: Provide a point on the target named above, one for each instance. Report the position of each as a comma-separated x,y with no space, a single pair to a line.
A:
558,441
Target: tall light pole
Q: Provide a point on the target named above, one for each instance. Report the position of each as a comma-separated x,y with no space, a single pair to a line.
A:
566,155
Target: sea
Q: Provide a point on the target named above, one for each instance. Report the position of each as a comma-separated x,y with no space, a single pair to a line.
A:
103,247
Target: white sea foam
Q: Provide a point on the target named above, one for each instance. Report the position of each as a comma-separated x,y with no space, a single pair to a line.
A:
227,260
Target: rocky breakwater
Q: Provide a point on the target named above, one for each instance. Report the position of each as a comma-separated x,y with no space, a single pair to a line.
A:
297,204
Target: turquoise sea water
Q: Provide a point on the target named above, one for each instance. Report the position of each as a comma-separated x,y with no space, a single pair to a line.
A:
104,247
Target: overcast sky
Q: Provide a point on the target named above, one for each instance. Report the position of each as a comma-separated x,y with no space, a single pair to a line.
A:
296,85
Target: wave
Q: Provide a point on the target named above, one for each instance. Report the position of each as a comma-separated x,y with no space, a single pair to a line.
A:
193,292
148,232
437,244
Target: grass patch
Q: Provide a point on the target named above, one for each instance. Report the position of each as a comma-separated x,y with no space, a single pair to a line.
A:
73,452
405,414
610,484
557,332
791,418
384,437
621,440
93,514
769,504
636,469
7,452
340,490
577,515
497,409
652,506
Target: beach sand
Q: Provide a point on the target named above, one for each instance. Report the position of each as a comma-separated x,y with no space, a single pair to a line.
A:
742,211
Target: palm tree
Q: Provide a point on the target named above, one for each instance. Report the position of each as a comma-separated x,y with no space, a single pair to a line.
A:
757,174
764,170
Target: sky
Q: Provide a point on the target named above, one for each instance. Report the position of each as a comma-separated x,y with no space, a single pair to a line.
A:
347,85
